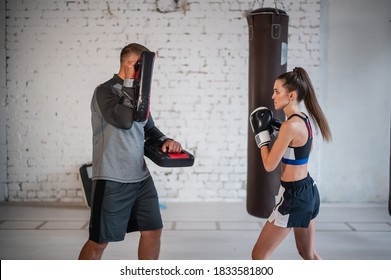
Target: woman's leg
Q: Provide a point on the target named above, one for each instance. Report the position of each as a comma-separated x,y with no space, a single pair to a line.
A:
270,237
305,242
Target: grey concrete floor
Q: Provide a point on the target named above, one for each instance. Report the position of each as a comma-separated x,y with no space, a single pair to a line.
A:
194,231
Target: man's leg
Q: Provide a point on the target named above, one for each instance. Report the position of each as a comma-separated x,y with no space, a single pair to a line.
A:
149,245
92,250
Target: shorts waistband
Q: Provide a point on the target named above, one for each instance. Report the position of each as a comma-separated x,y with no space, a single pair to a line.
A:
297,184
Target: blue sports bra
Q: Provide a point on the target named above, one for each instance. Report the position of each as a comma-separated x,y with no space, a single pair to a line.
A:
299,155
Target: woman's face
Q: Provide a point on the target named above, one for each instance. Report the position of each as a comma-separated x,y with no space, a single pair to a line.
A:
280,95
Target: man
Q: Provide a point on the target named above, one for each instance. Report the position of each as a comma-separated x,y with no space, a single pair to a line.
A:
124,195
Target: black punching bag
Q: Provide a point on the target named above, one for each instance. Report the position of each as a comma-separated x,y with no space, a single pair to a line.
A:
268,37
389,180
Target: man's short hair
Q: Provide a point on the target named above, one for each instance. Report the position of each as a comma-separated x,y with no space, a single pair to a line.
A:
130,49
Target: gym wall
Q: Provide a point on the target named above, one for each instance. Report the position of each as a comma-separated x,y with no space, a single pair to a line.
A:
57,52
356,57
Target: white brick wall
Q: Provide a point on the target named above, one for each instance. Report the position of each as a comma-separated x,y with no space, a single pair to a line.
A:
3,90
58,51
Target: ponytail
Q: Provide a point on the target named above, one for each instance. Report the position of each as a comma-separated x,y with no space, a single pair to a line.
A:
299,81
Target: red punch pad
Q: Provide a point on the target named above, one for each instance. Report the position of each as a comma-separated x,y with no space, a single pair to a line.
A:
182,159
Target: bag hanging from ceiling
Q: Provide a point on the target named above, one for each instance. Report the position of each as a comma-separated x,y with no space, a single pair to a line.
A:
268,37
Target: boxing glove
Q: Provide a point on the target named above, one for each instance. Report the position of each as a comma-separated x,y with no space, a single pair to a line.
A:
260,120
276,124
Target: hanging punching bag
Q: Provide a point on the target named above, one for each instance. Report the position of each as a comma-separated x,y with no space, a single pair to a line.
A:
268,37
389,180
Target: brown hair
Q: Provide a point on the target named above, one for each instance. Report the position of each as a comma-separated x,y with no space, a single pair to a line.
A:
299,81
132,48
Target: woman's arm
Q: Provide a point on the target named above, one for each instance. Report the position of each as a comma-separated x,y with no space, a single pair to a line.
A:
271,157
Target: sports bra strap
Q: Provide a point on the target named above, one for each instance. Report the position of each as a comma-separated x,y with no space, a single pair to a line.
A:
301,117
299,155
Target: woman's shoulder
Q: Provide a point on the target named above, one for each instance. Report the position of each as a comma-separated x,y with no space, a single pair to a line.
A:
292,126
290,123
287,130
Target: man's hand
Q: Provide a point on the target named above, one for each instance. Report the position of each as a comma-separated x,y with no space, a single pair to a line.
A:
128,66
171,146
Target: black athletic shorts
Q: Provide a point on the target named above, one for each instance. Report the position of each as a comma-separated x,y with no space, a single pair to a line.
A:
297,204
119,208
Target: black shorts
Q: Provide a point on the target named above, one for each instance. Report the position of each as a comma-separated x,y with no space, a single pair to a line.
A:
297,204
119,208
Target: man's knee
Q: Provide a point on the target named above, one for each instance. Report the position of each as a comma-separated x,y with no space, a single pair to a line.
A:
92,250
97,246
152,234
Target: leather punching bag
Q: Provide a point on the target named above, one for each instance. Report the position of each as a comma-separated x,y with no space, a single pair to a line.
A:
389,180
268,37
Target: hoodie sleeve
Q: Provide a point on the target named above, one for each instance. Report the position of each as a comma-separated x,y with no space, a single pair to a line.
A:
117,108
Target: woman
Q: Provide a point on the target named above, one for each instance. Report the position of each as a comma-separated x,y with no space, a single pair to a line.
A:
298,198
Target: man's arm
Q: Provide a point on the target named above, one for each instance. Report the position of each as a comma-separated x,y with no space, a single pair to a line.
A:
154,137
116,110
